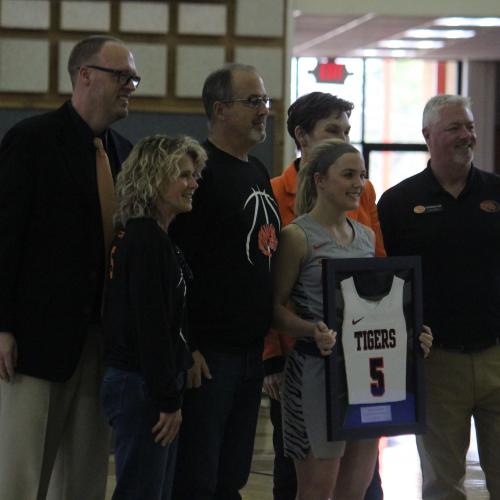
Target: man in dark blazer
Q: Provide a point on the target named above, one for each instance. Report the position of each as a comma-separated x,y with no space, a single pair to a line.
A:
52,264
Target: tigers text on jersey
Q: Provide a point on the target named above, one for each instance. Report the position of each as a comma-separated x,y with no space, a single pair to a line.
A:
374,338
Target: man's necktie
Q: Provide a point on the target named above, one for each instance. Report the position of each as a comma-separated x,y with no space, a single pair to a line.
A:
107,198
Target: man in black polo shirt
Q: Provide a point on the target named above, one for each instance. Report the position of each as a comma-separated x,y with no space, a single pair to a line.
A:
449,214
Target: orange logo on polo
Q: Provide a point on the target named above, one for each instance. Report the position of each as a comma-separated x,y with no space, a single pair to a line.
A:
490,206
419,209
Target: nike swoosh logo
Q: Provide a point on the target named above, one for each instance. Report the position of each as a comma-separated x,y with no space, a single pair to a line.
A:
355,321
319,245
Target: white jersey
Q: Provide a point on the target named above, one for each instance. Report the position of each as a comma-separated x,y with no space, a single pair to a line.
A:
374,337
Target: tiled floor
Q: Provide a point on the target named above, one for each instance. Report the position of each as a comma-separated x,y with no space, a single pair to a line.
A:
399,467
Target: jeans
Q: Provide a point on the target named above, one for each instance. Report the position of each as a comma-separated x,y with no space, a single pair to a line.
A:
218,428
144,469
284,476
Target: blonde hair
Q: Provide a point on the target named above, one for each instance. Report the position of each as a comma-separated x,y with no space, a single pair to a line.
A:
152,161
322,156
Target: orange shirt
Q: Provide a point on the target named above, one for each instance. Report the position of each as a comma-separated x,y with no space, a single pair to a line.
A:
285,189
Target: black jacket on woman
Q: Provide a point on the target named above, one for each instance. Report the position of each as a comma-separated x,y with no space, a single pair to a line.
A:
144,314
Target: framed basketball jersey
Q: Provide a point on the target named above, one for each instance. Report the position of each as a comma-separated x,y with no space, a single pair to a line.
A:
374,376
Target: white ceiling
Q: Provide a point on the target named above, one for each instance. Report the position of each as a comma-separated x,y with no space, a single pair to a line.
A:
348,35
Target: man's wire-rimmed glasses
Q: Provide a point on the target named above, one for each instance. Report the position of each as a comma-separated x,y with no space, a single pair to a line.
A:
253,101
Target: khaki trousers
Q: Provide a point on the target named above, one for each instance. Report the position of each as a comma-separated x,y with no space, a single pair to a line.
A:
54,440
460,386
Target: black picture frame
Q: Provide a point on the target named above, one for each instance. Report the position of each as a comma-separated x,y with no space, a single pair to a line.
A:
373,278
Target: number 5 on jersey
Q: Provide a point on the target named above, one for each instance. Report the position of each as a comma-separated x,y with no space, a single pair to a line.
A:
377,386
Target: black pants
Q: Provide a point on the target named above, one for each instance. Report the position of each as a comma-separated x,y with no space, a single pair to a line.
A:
218,429
285,480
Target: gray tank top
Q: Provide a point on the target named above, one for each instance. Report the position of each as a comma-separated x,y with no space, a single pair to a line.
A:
307,294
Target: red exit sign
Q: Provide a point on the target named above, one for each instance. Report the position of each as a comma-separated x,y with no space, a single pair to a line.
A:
328,71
